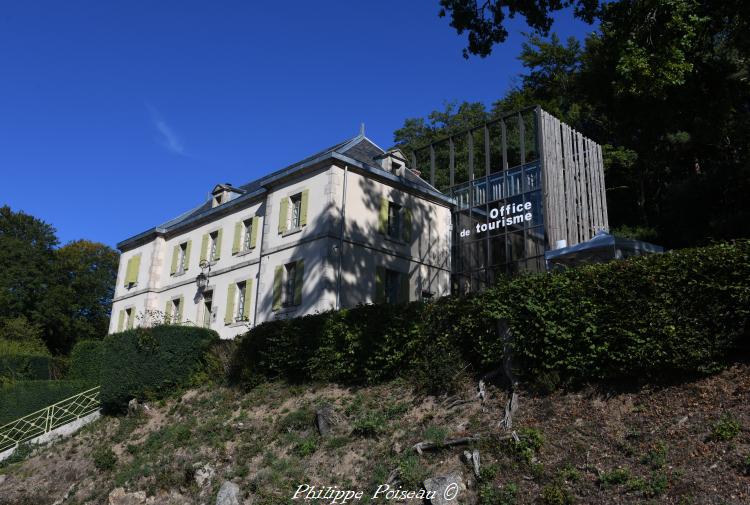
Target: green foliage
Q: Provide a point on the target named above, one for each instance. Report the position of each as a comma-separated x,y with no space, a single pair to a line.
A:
656,457
489,494
22,452
59,293
436,434
150,362
369,425
555,494
86,361
104,459
297,420
726,428
615,477
14,367
648,318
411,472
306,446
20,398
529,443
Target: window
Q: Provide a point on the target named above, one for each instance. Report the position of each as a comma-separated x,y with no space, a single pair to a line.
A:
208,298
213,246
392,286
176,310
129,317
296,201
240,301
181,263
218,199
248,235
394,220
395,167
290,277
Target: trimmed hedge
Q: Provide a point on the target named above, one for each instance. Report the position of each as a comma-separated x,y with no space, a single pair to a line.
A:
24,397
15,367
86,361
652,317
148,362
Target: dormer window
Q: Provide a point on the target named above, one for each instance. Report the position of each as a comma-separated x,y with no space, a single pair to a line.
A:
222,193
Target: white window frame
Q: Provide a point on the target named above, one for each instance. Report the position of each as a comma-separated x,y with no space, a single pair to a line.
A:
295,211
247,226
240,305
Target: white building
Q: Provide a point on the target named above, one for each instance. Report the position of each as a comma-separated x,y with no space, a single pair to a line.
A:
347,226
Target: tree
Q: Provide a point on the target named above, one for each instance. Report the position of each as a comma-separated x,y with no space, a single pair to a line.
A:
63,293
484,20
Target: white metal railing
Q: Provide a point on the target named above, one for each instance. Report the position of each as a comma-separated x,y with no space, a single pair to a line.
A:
47,419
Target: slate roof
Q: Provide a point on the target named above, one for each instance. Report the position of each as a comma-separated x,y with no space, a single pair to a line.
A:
359,149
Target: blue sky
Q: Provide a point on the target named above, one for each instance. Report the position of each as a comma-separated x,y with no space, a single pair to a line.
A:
115,117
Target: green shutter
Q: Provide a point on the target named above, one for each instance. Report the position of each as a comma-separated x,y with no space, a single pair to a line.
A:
403,292
128,269
283,212
168,312
277,279
407,225
248,299
180,309
299,276
175,256
219,234
120,321
133,278
131,318
254,231
303,208
204,248
379,284
187,254
229,313
384,215
237,237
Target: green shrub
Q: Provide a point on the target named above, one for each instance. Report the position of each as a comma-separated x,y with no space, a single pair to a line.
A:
150,362
411,472
554,494
615,477
20,398
86,361
726,428
491,495
14,367
654,317
104,459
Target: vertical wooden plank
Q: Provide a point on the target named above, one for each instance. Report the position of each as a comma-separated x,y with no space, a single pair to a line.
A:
603,189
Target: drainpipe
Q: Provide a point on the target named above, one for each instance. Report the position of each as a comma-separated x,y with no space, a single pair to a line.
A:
341,240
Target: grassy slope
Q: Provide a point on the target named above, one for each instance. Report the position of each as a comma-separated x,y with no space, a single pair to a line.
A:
586,447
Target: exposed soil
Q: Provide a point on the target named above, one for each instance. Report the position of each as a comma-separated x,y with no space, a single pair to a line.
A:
682,444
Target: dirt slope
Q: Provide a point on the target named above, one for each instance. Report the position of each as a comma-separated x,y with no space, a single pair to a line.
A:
686,444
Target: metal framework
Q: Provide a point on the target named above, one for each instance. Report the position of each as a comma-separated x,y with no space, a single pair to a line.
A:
47,419
524,156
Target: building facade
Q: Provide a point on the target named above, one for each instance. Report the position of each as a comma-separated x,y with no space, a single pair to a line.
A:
349,225
355,224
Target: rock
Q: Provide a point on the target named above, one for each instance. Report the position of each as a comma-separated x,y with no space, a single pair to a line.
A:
447,488
2,478
325,418
118,496
133,407
204,474
229,494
